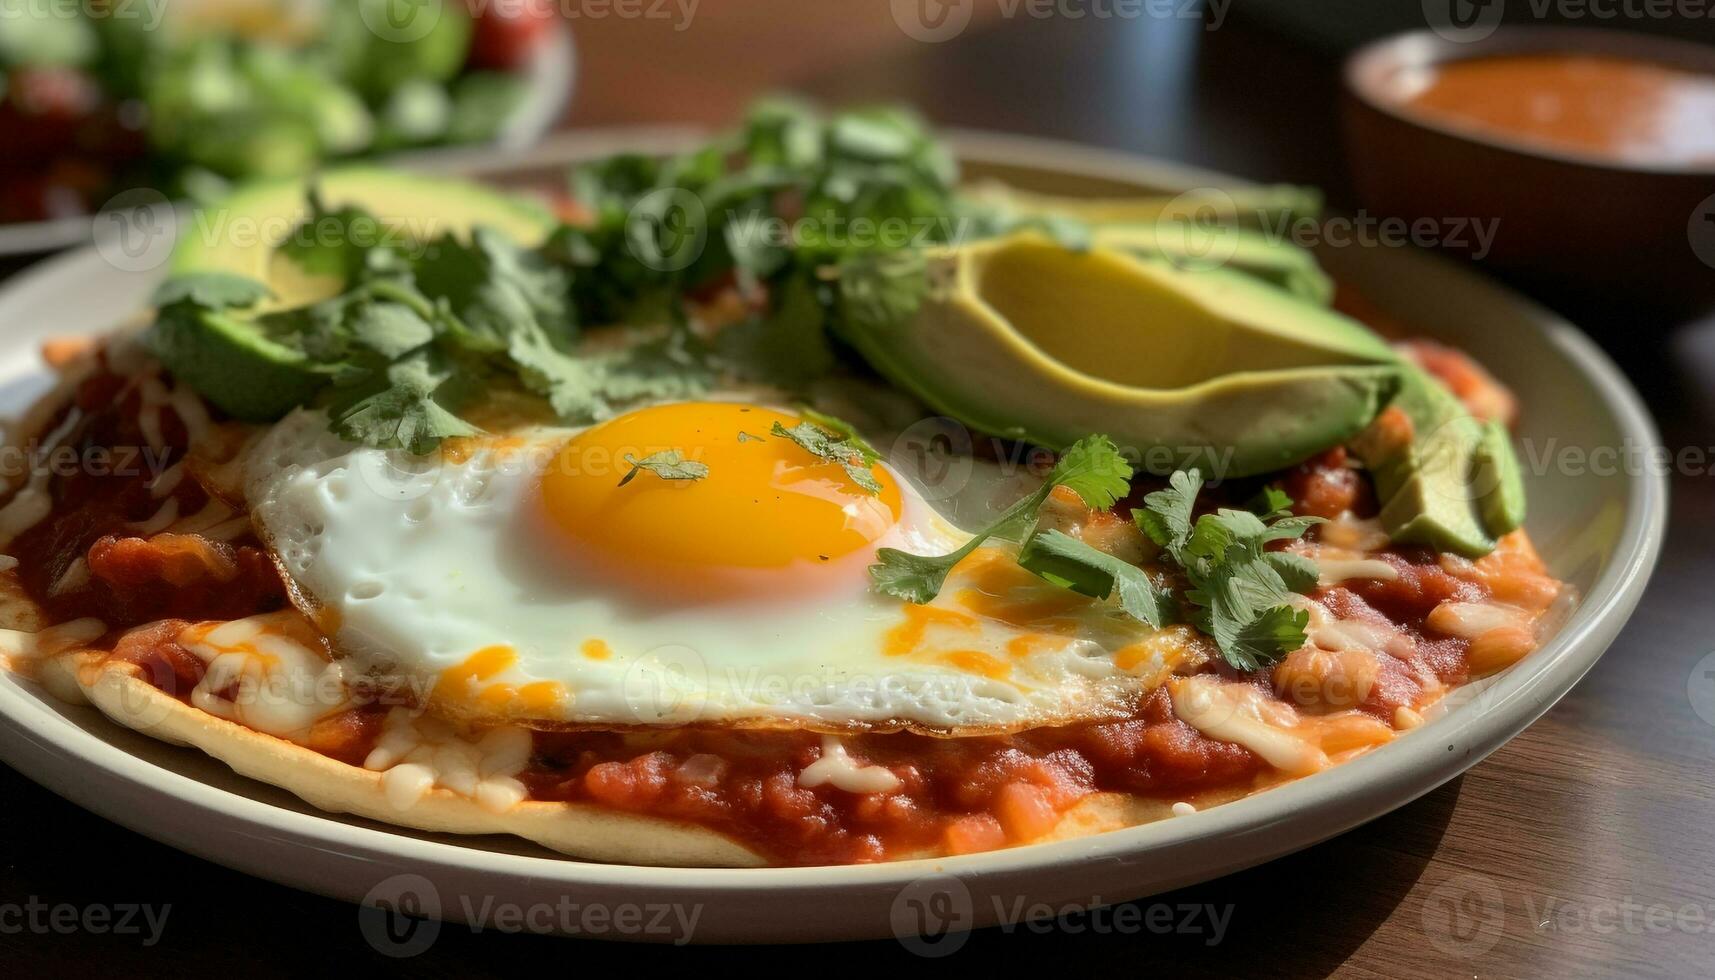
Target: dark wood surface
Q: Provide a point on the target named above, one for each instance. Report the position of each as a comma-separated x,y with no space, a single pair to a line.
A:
1584,847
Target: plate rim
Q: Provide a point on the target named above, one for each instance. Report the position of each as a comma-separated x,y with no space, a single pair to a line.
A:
1339,799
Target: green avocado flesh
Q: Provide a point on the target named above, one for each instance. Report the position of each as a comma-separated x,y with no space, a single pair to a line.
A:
1456,485
240,234
1023,338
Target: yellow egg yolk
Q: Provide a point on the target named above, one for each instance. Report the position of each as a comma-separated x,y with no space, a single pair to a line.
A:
765,505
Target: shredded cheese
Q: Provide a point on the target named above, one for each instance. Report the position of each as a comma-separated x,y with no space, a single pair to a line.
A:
1337,570
75,577
167,481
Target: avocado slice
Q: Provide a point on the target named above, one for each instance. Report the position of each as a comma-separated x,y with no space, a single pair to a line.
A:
233,364
1020,337
1446,480
239,234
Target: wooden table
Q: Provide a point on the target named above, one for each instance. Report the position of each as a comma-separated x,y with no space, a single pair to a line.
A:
1583,847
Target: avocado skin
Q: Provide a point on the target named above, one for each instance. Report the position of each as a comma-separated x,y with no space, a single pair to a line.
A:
231,364
1280,264
1499,473
1159,227
1456,485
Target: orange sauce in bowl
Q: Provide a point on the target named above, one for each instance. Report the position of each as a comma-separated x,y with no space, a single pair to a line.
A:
1622,109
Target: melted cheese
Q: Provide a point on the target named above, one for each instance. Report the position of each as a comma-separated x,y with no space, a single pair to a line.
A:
260,676
32,504
1238,713
416,754
838,769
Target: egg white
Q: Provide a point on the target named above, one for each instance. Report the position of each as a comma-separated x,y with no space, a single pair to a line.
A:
421,563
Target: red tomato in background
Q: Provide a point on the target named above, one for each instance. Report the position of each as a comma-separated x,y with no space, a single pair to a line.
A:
44,111
505,32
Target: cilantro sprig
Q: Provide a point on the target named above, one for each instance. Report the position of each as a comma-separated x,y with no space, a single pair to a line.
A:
1240,593
1093,468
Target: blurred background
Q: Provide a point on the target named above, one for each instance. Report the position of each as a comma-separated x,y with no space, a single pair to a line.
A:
185,97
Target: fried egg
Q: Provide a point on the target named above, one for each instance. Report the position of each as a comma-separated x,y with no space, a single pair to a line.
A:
536,576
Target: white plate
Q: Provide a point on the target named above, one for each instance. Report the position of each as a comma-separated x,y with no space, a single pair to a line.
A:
1601,532
550,72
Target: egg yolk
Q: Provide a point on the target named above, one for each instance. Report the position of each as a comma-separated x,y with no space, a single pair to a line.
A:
765,505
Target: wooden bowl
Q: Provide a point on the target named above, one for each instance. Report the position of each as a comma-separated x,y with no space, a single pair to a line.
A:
1565,221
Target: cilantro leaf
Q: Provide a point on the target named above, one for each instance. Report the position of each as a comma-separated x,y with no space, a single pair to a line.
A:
1270,502
568,382
1094,469
402,407
1166,514
1298,572
668,464
856,458
787,347
1070,563
672,366
211,290
1091,462
1261,641
391,330
845,430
